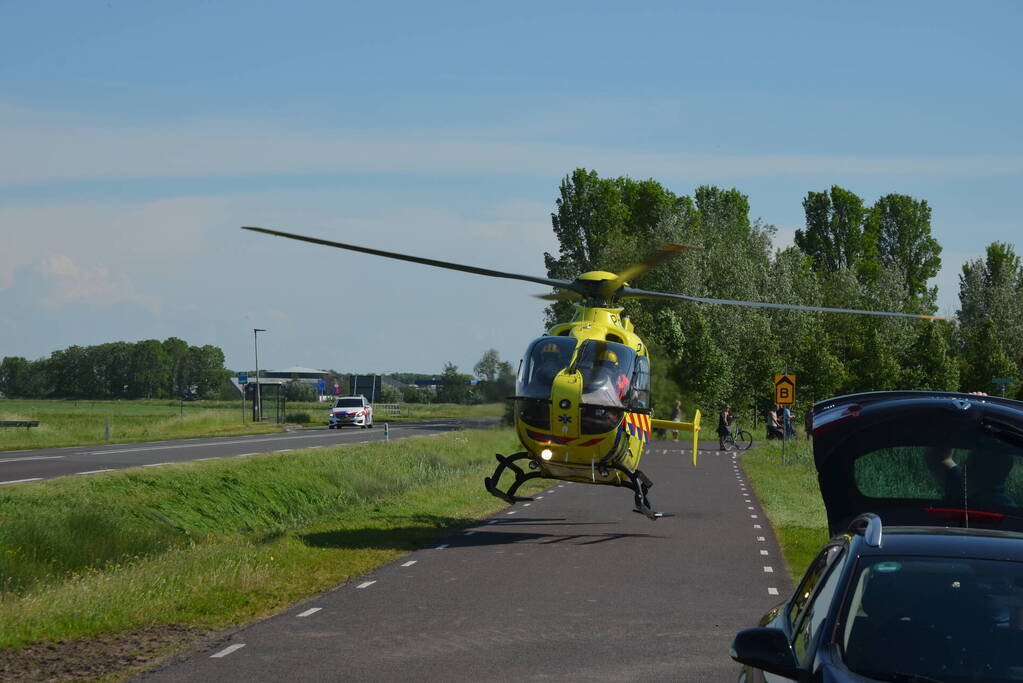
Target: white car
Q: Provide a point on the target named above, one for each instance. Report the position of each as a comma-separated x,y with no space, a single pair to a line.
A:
350,410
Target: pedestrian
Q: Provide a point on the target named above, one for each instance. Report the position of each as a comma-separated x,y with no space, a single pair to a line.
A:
774,430
724,425
676,416
786,420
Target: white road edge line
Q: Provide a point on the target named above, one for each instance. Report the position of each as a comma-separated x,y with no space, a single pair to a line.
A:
228,650
157,464
311,610
442,546
20,481
31,457
93,472
365,584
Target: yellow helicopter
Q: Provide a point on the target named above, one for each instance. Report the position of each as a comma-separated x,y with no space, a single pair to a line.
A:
582,397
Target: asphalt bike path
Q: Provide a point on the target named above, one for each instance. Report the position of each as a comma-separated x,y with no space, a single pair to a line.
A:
18,467
573,586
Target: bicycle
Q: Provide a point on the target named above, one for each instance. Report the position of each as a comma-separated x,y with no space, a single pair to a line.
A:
738,439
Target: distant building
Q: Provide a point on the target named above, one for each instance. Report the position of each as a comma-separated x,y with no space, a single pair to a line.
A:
316,378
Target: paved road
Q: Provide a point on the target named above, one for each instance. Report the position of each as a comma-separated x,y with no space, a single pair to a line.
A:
574,586
34,465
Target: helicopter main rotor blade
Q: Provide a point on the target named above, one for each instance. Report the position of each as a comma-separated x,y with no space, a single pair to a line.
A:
560,296
642,294
665,252
566,284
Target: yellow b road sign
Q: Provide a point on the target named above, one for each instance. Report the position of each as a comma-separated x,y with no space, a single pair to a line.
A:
785,389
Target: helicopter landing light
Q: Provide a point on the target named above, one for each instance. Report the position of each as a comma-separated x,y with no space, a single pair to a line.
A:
546,454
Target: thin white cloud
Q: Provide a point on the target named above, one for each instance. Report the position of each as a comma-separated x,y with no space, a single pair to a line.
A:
58,151
75,284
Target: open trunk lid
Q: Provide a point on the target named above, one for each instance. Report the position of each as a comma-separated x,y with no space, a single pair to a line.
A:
921,458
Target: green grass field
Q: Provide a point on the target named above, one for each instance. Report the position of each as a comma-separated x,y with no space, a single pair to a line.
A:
76,423
791,498
222,542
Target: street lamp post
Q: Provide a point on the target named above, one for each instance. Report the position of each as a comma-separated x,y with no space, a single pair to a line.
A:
255,343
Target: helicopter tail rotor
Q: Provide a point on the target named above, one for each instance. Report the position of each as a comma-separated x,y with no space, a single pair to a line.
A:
521,477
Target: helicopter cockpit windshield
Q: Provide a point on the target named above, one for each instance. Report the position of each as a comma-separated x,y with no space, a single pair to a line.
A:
545,358
607,371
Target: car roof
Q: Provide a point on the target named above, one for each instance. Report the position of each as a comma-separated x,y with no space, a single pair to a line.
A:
951,542
894,427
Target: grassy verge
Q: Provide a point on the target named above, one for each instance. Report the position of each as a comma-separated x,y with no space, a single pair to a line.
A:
222,542
791,498
78,423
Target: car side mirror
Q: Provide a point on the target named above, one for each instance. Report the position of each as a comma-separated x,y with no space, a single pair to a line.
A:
767,649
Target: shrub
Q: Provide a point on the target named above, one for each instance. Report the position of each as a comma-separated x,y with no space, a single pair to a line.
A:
298,418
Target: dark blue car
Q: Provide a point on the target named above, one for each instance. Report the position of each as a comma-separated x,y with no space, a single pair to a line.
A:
923,579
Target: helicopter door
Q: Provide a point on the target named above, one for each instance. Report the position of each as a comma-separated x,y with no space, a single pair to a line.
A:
544,359
607,369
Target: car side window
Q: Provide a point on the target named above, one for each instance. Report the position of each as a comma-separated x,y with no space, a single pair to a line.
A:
816,610
808,586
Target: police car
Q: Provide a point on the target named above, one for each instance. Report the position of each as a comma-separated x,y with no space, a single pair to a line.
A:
350,410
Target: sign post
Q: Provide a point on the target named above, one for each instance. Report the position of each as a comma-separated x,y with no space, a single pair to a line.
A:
1002,383
243,380
784,395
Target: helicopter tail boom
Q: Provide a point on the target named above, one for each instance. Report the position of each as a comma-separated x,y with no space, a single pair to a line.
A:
693,427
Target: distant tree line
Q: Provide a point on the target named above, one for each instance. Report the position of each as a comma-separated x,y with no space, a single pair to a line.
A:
145,369
849,254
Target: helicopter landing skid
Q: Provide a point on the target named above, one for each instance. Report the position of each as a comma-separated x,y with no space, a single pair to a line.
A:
640,484
521,477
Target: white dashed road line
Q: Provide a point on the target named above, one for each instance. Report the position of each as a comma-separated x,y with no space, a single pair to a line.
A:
365,584
440,547
772,591
228,650
311,610
768,570
31,457
409,563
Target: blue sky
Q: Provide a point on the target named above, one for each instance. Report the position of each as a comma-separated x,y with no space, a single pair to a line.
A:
136,137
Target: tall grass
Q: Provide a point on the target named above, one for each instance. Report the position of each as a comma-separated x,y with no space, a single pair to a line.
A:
76,423
51,529
217,542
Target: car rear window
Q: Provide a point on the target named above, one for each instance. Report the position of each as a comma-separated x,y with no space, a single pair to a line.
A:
987,474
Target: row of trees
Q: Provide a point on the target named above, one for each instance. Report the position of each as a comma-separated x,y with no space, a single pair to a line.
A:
145,369
849,255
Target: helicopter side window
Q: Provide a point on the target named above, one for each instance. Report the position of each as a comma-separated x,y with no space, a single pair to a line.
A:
546,357
640,396
606,368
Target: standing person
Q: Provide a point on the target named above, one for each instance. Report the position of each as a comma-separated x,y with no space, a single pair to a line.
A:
724,425
786,419
773,425
676,416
